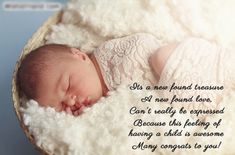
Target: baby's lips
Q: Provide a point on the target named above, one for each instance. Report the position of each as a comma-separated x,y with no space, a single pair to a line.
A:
78,111
77,105
83,102
87,101
74,107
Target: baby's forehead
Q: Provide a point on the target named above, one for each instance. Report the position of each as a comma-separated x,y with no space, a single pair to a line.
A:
53,49
47,57
56,53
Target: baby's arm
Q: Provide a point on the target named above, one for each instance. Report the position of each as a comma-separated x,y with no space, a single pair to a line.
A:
159,58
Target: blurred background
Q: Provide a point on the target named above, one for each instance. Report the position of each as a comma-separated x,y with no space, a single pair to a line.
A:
17,24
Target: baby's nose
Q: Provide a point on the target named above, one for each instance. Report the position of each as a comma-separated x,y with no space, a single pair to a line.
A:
70,101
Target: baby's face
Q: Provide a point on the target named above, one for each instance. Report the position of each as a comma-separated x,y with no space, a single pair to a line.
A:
70,84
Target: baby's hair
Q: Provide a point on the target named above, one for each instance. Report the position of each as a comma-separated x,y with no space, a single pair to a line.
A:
35,64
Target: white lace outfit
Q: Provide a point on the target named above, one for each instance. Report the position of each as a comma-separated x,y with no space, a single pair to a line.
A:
193,61
197,61
125,60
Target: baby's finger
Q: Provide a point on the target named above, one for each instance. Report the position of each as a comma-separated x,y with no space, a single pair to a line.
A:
68,110
76,113
81,109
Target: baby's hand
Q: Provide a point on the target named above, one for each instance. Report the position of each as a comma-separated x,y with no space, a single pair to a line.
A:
68,110
79,111
75,109
78,108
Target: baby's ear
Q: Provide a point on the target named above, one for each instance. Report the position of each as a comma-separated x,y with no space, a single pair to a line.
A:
76,52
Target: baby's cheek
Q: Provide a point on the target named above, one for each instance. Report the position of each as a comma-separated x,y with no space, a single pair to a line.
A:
93,88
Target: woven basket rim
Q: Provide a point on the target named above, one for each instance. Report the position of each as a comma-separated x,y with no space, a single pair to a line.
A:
37,39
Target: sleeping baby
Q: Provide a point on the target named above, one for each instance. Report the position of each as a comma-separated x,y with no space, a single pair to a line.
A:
68,80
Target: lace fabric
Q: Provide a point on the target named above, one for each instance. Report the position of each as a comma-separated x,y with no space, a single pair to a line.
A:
125,60
194,61
197,61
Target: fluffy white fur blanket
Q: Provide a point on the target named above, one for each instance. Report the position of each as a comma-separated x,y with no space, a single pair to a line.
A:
103,128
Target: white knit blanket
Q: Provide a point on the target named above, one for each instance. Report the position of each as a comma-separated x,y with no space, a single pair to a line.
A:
103,128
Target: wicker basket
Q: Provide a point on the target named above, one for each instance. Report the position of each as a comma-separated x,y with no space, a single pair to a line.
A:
36,40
